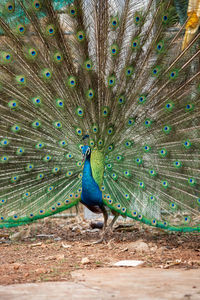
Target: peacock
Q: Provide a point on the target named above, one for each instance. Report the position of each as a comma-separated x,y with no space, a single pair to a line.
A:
100,105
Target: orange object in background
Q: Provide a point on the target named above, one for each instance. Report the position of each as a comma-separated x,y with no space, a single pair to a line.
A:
192,23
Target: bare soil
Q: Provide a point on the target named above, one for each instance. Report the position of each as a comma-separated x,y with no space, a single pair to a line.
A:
51,249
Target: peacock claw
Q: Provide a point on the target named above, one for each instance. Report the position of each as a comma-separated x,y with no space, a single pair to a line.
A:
96,242
105,234
101,240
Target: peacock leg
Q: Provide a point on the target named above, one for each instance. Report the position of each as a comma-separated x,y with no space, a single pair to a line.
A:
107,229
112,222
105,216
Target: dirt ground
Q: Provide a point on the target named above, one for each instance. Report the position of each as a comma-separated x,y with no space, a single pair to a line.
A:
50,250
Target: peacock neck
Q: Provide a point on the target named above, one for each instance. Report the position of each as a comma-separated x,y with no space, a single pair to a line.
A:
91,194
87,171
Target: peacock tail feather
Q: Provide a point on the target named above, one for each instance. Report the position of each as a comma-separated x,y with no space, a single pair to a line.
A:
113,70
14,13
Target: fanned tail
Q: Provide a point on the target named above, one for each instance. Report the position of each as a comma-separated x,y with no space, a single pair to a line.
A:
121,78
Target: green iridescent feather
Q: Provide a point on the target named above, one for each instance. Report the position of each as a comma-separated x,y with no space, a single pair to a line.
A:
18,16
115,73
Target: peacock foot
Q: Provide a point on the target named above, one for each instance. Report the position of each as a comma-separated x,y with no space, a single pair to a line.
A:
105,236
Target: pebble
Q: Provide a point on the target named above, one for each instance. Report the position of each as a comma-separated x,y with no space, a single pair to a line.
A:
138,246
85,261
16,266
40,271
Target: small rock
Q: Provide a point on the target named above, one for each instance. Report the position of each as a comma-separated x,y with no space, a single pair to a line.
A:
60,256
139,246
92,230
16,266
40,271
124,250
128,263
50,257
66,246
98,225
77,228
154,248
85,261
45,235
35,245
57,239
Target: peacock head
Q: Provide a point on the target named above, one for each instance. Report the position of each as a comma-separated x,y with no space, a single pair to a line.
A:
86,152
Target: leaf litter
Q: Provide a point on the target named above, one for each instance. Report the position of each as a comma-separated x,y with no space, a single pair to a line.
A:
51,249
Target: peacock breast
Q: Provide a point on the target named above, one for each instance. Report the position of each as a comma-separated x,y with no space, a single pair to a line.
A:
97,165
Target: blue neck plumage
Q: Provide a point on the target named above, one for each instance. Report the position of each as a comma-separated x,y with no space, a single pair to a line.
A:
91,194
87,171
